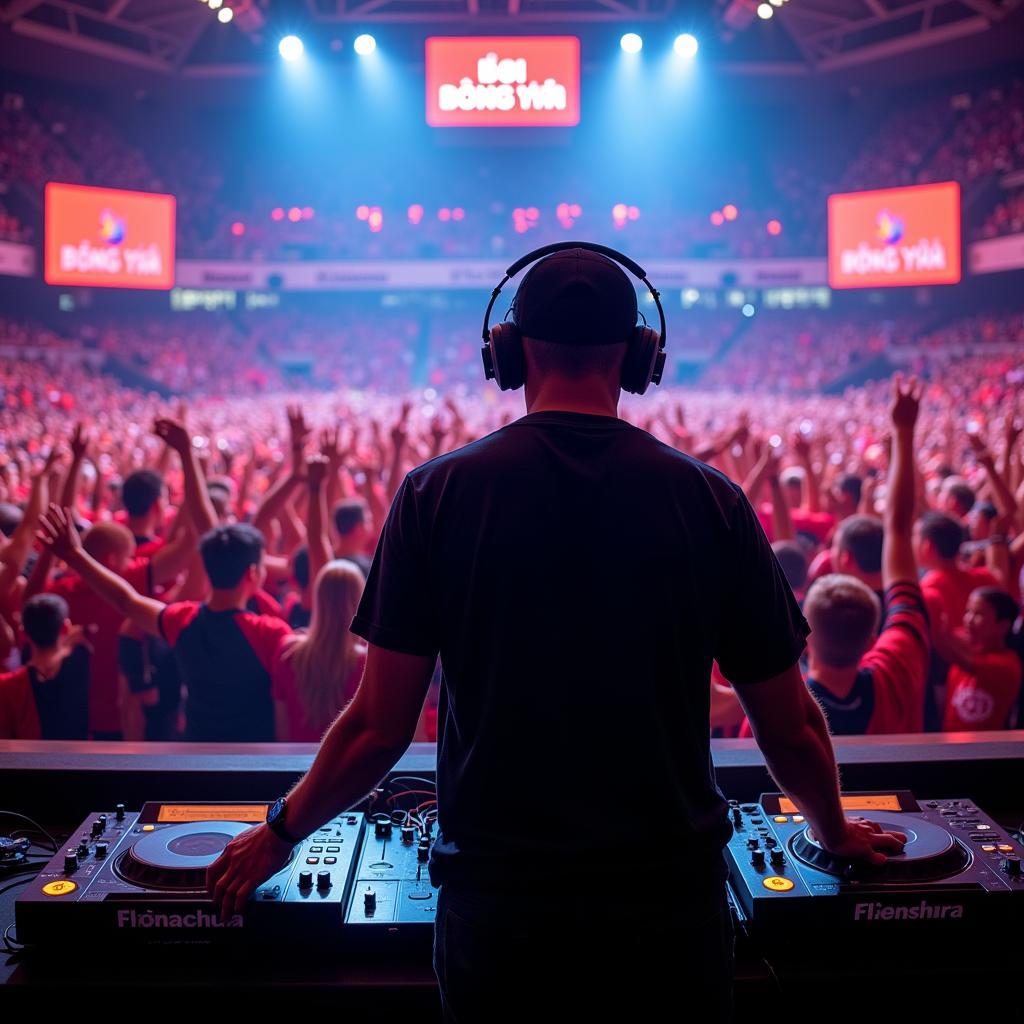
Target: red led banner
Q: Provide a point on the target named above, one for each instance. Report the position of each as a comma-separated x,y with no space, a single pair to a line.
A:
503,81
109,238
895,236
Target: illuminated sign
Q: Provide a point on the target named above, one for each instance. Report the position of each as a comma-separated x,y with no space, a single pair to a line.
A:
503,81
212,812
897,236
108,237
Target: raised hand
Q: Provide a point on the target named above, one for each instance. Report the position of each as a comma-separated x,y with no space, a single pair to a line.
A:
57,531
79,442
316,471
298,428
330,445
906,402
173,434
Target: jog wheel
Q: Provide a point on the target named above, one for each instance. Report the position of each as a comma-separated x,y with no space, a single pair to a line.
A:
931,854
176,858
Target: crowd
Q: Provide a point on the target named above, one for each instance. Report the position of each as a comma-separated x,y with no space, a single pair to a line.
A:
212,554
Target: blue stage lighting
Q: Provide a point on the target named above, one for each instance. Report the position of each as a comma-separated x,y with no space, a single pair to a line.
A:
291,48
631,43
686,46
364,45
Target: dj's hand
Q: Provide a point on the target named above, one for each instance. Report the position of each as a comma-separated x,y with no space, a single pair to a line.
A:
865,841
246,862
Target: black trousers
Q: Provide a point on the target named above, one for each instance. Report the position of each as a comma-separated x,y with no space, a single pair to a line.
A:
610,952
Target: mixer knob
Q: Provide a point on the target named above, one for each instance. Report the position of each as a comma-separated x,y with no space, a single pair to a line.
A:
97,827
382,828
753,842
119,812
103,818
323,880
757,858
1011,865
737,815
776,857
70,862
769,841
83,850
305,879
101,850
369,901
408,834
423,852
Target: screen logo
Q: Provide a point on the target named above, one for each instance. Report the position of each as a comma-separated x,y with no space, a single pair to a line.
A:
502,81
898,236
108,237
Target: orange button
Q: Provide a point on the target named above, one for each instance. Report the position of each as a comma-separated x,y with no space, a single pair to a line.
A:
988,848
798,817
780,819
777,883
62,887
148,828
1005,847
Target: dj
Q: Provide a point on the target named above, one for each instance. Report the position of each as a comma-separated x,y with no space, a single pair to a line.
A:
578,577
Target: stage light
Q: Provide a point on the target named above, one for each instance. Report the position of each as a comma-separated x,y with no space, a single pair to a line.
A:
717,219
415,213
631,43
277,213
686,46
238,229
633,213
729,212
458,213
748,310
362,212
765,11
364,45
214,4
376,219
307,213
295,215
774,227
291,48
224,15
444,214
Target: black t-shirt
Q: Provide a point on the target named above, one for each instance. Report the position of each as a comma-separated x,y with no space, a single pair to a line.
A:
63,700
578,577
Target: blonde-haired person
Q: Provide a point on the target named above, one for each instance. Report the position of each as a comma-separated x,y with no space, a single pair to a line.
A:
316,672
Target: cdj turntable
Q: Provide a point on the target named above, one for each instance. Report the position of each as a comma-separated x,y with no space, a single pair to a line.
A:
142,876
959,869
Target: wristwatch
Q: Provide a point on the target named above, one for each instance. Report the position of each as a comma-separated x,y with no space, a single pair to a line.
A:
275,822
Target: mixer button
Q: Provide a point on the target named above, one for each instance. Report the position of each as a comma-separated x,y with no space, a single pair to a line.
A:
312,860
770,842
61,887
330,860
798,817
101,850
334,849
369,901
780,819
776,883
119,812
316,849
1002,847
752,842
70,862
989,848
757,821
776,857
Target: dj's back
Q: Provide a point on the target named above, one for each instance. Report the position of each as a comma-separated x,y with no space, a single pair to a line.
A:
578,578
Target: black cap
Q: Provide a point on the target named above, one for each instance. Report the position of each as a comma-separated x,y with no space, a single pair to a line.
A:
576,297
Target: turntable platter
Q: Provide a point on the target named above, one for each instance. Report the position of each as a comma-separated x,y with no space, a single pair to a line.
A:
176,858
931,853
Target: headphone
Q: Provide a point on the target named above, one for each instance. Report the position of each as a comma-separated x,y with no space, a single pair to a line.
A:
502,350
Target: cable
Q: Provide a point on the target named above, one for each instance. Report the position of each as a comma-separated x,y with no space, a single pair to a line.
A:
35,824
11,945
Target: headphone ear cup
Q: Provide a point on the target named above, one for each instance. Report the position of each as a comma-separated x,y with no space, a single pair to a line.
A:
644,360
507,363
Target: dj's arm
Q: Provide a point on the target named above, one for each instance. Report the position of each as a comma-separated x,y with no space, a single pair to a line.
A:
792,733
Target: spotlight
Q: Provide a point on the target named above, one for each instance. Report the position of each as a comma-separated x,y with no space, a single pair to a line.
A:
291,48
765,11
295,215
729,211
214,4
717,219
686,46
774,227
238,229
748,310
631,43
224,15
364,45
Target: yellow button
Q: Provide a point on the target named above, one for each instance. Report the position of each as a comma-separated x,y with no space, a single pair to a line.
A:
1005,847
781,819
798,817
148,828
62,887
988,848
777,883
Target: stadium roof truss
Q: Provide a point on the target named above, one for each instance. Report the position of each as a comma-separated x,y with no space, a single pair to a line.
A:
163,35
